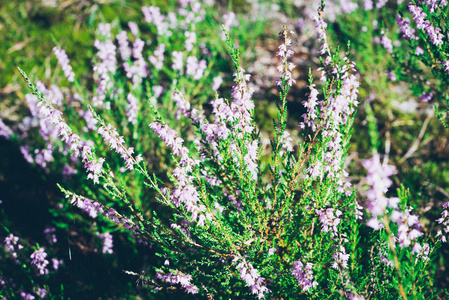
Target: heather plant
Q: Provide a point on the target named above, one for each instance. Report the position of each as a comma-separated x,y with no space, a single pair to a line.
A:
231,220
189,180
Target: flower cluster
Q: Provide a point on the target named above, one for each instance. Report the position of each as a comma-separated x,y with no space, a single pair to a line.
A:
12,246
117,143
107,242
64,62
39,261
285,68
184,193
378,179
304,275
177,277
419,16
105,66
444,220
251,277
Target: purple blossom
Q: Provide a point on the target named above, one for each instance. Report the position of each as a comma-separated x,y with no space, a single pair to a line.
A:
347,6
107,242
251,158
381,3
177,60
137,69
26,296
404,27
12,246
123,46
217,82
425,97
56,263
419,51
321,28
5,130
378,179
50,235
284,53
134,28
421,251
251,277
177,277
105,66
408,227
340,259
157,59
367,4
117,143
385,42
311,107
434,33
195,68
183,106
41,292
434,4
190,40
89,118
184,193
304,275
132,109
444,221
152,15
329,220
64,63
94,208
38,259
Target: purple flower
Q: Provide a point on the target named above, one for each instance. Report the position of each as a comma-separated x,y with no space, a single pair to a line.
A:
12,246
5,130
152,15
117,143
134,28
64,62
217,82
425,97
329,220
50,235
340,259
378,179
184,193
444,221
132,109
107,242
123,46
404,27
190,40
381,3
304,275
419,51
26,296
251,277
177,60
38,259
157,59
177,277
347,6
321,28
56,263
285,68
105,65
367,4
